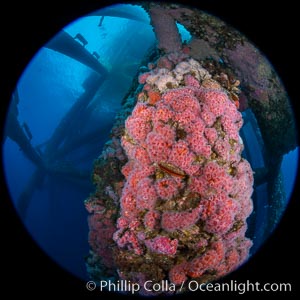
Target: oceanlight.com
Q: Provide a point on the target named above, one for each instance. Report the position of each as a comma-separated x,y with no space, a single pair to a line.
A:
240,287
192,286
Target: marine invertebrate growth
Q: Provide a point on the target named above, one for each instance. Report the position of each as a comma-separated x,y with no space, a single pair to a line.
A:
188,190
175,187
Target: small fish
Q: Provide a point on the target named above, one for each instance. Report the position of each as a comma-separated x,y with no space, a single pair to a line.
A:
171,169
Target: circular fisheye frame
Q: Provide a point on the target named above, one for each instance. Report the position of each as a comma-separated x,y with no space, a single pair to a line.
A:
160,139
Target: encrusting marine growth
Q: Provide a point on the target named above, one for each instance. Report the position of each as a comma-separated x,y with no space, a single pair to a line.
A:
181,212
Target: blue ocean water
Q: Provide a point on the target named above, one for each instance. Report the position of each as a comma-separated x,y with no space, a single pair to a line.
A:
289,171
49,87
47,90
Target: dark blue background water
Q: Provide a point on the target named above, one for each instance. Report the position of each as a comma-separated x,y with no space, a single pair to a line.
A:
56,217
52,83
